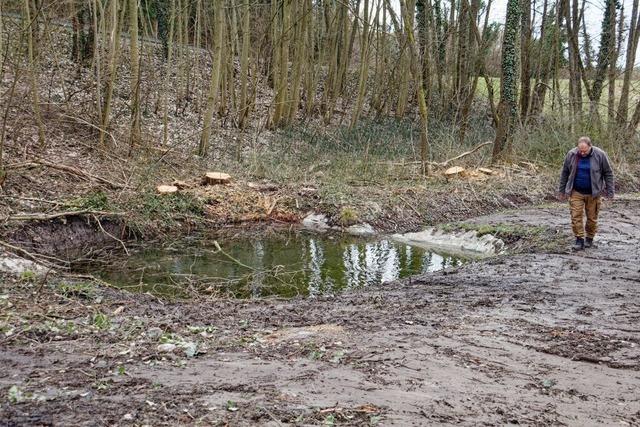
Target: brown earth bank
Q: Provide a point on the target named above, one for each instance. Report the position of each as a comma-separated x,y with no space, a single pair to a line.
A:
533,338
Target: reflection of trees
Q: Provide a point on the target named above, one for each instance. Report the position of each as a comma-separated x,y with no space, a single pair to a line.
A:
390,264
257,279
352,258
265,267
316,261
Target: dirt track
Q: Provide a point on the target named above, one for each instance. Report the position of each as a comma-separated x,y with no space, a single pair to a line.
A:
528,339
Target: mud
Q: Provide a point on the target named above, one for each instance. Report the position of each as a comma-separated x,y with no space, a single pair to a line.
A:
534,339
72,239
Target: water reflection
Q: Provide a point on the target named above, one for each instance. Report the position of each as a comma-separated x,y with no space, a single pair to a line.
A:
306,265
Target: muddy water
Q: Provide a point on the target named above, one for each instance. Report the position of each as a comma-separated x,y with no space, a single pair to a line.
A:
290,266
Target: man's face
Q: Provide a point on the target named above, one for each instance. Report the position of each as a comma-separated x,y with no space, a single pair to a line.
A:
584,149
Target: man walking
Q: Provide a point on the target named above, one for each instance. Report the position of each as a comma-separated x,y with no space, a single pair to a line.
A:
586,176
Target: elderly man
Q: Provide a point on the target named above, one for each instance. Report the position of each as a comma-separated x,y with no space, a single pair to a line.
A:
586,176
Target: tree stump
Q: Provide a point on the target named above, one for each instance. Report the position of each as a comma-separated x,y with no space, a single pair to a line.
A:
456,170
214,178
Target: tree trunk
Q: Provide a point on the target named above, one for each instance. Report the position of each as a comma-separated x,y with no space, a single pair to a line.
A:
508,106
244,66
114,52
134,137
632,46
613,69
168,52
607,45
364,65
214,87
33,71
525,55
416,71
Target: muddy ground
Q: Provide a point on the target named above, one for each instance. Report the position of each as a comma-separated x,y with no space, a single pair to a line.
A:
534,339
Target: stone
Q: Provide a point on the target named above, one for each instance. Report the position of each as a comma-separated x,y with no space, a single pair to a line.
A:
463,243
12,264
316,222
363,229
154,333
167,348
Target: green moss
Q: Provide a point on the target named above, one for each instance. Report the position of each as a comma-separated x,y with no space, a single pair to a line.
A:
348,216
155,206
97,201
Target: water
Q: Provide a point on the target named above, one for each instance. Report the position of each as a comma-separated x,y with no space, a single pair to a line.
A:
287,266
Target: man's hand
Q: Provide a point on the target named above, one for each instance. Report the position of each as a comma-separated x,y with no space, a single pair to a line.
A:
608,196
562,196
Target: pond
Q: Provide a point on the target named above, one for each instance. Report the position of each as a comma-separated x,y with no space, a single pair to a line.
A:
286,266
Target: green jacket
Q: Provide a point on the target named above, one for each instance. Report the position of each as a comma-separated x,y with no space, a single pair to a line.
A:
602,180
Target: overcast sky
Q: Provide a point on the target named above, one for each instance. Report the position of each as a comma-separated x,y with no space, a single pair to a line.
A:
593,13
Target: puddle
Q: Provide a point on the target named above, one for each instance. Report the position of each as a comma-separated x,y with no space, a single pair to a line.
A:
288,266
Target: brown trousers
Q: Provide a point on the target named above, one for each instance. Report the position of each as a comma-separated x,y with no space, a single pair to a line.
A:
581,204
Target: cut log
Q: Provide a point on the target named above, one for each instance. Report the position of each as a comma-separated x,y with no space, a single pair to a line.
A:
456,170
180,184
213,178
166,189
486,171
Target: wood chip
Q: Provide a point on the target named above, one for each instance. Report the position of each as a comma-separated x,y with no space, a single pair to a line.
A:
166,189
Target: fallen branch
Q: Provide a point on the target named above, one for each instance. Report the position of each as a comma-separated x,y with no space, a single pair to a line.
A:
111,235
47,261
466,153
115,144
439,164
219,249
68,169
45,217
406,202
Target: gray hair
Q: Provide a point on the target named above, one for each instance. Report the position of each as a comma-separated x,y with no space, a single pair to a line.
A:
584,139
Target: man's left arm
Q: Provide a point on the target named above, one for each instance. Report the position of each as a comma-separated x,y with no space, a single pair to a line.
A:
607,173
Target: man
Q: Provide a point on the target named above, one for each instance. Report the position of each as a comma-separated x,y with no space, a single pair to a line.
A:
586,176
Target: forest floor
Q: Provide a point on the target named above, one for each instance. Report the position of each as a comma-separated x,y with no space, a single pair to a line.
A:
544,338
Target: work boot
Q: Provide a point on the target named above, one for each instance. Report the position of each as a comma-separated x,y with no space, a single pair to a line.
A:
588,242
579,244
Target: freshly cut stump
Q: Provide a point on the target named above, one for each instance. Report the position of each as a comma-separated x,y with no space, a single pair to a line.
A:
166,189
456,170
213,178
